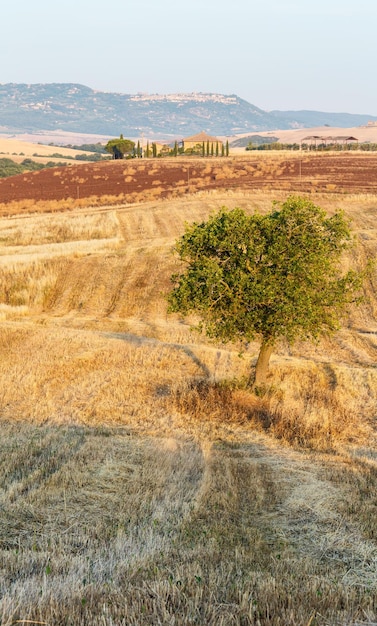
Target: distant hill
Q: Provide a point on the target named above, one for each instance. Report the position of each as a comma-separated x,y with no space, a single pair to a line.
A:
257,140
76,108
312,119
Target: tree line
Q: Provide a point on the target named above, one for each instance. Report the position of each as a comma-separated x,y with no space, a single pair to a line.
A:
122,148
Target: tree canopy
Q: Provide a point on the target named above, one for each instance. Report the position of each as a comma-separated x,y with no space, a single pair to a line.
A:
119,147
267,276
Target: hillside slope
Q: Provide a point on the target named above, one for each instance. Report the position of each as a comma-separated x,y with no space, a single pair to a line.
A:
139,483
108,268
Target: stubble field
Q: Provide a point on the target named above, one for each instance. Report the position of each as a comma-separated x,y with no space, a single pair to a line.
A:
140,484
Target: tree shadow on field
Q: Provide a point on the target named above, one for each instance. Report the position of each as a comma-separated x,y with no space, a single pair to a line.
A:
330,375
202,397
139,340
219,402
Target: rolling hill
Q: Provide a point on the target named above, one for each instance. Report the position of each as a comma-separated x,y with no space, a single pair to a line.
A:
76,108
141,482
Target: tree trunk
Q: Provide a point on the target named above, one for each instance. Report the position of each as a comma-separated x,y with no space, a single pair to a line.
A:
261,368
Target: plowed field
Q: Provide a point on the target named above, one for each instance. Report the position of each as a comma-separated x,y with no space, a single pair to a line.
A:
131,181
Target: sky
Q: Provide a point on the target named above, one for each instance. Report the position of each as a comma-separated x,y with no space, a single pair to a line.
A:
285,55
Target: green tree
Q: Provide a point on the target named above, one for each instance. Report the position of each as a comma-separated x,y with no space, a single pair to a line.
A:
268,276
147,151
9,168
195,150
89,147
227,148
118,148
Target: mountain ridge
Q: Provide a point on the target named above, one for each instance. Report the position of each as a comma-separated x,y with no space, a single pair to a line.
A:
73,107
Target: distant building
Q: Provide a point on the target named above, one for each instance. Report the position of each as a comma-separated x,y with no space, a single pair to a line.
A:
199,139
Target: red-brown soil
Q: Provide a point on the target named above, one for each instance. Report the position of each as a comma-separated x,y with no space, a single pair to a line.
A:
130,181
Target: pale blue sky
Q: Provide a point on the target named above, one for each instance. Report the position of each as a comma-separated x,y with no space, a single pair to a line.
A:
298,54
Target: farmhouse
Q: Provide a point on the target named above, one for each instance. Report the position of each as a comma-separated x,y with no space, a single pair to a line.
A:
199,139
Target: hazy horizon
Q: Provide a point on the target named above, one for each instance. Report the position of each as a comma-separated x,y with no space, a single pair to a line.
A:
277,56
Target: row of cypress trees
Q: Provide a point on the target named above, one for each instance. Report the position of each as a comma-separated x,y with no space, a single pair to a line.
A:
201,149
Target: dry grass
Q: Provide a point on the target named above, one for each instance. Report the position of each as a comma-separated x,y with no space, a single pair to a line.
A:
141,482
103,526
27,206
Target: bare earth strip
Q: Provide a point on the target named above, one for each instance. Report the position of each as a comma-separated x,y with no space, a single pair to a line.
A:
140,180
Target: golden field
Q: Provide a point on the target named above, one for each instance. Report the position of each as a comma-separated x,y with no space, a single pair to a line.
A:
18,149
140,482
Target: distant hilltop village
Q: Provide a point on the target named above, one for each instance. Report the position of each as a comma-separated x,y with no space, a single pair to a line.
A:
184,97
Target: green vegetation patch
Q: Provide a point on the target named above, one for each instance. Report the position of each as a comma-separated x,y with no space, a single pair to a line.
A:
11,168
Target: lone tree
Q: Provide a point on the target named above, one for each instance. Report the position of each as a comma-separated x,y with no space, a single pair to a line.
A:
119,147
268,276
